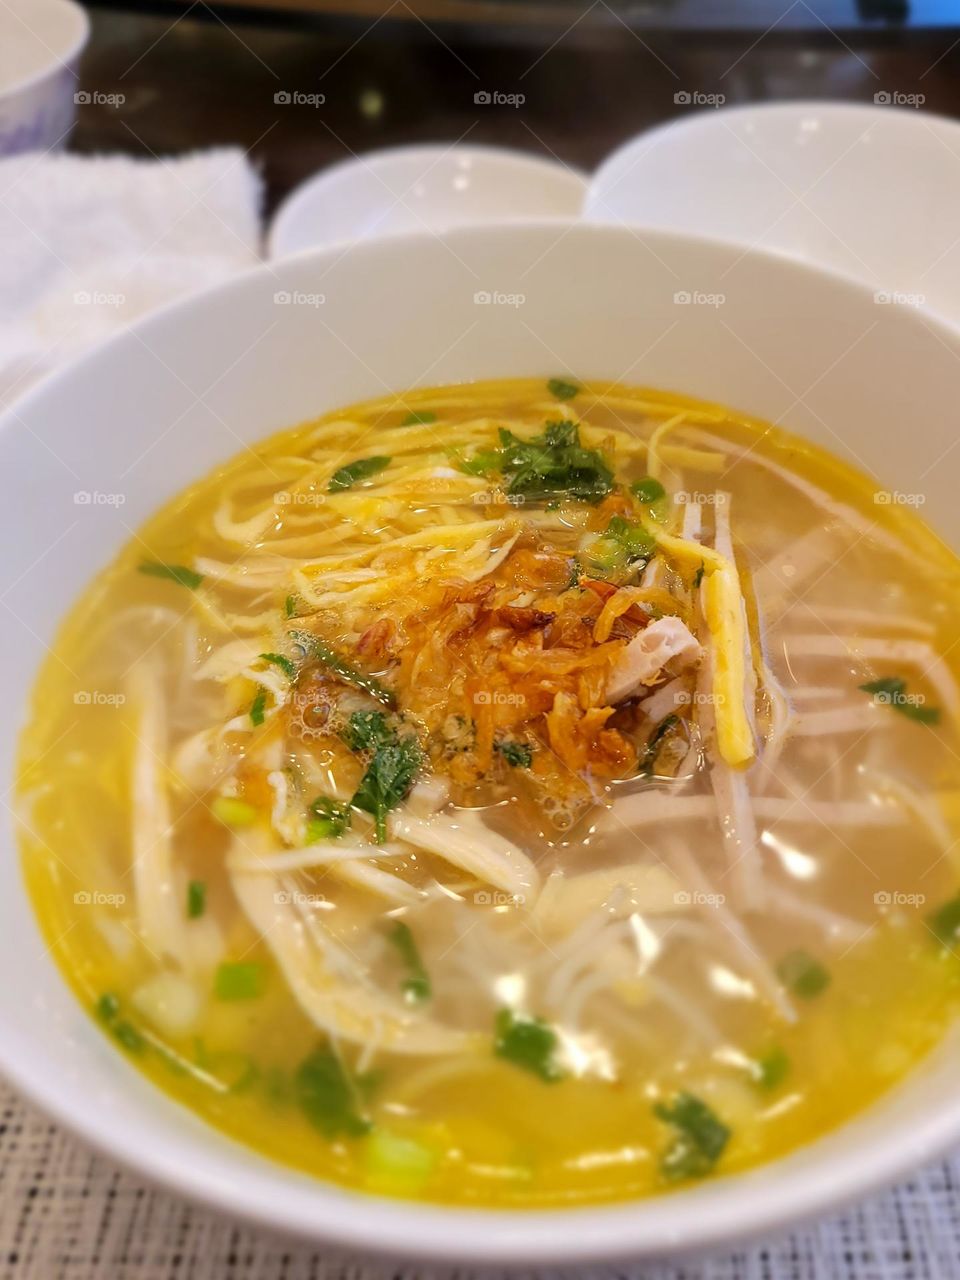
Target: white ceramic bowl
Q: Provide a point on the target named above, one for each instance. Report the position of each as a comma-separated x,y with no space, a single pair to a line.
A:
150,411
40,46
425,188
872,191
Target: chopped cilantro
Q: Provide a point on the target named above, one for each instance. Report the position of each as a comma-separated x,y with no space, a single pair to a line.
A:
944,923
327,821
803,974
699,1141
554,464
892,691
346,477
257,706
290,606
367,730
419,418
527,1042
561,389
278,660
196,899
174,572
387,780
517,754
328,1096
417,986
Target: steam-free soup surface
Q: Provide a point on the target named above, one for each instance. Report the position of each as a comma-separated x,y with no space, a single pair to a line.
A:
519,794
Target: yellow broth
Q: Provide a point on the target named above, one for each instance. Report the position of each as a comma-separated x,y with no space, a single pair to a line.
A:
780,1018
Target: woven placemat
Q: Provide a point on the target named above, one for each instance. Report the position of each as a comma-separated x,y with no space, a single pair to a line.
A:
67,1214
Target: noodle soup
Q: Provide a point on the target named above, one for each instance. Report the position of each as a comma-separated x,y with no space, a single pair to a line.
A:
519,794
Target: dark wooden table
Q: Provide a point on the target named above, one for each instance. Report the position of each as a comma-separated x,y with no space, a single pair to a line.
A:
591,75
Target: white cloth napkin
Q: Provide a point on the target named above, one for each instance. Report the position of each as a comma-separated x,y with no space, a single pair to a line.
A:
88,244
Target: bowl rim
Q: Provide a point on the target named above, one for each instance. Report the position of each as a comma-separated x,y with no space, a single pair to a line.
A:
57,62
725,1211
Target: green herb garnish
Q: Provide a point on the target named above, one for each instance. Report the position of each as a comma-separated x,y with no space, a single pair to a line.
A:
178,573
554,464
278,660
560,389
417,986
320,652
482,463
367,730
771,1068
529,1043
648,490
107,1010
290,606
944,923
700,1137
387,780
346,477
892,691
648,756
328,1096
698,576
257,707
327,821
196,899
232,812
636,542
803,974
421,418
517,754
242,980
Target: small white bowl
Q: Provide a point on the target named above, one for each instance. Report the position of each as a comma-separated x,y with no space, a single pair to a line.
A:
40,46
869,191
429,188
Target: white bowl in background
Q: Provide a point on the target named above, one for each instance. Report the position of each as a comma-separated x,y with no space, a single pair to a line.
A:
871,191
423,188
153,409
40,46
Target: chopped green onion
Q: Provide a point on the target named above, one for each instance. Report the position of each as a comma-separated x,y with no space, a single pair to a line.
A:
560,389
178,573
417,986
944,923
648,490
241,980
129,1037
108,1006
346,477
633,538
803,974
892,691
771,1068
328,1095
108,1009
196,899
700,1137
233,812
517,754
423,417
529,1043
398,1165
257,707
328,820
698,576
278,660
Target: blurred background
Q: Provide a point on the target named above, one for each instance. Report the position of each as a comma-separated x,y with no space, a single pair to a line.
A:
301,83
